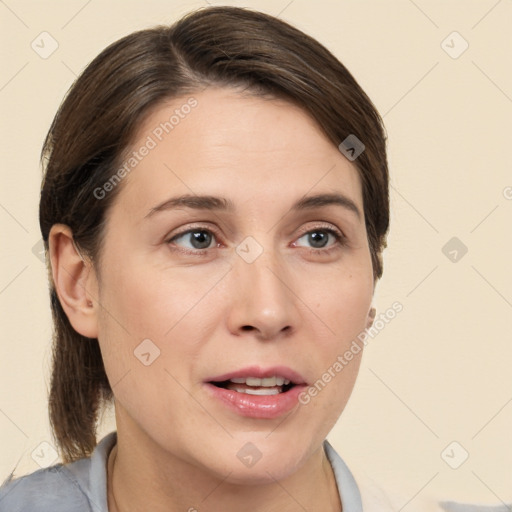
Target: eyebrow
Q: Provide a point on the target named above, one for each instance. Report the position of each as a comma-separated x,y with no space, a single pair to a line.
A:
214,203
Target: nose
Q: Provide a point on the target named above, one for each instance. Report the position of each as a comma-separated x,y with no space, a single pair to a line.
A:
263,303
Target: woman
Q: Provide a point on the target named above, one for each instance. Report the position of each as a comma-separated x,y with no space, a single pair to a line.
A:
214,208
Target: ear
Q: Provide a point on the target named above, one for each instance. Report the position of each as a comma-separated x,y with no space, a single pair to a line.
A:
371,317
74,280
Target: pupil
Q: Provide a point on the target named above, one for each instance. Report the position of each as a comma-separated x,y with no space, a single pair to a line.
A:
202,238
318,241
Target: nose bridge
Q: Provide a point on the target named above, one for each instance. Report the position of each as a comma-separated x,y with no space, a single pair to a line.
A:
263,299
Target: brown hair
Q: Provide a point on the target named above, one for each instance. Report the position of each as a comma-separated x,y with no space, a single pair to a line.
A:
97,121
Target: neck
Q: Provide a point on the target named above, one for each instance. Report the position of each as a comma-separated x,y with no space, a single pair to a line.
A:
136,483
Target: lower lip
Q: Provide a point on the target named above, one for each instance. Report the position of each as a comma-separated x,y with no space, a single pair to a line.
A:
257,406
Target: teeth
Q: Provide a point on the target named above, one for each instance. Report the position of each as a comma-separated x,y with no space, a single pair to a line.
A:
239,380
254,381
259,391
266,382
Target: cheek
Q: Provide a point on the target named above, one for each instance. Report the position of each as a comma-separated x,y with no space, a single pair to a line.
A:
151,301
139,317
342,304
342,300
170,308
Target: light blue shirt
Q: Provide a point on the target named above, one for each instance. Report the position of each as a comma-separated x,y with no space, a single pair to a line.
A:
81,486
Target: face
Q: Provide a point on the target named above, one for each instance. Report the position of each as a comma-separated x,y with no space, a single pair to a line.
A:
247,277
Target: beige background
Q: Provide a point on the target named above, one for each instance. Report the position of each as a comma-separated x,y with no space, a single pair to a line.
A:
440,371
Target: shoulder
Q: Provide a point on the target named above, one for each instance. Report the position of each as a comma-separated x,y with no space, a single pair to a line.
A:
50,489
376,498
361,493
79,486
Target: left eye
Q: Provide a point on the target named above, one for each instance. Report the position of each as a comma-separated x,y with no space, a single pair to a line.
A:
319,238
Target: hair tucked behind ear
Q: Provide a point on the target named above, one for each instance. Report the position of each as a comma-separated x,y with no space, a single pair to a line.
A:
220,46
79,385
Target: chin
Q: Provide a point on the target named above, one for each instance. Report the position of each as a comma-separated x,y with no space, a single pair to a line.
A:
254,460
262,474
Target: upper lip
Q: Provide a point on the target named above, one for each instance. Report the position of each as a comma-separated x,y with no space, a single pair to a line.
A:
261,373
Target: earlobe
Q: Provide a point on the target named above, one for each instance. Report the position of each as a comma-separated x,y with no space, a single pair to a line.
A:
371,317
74,280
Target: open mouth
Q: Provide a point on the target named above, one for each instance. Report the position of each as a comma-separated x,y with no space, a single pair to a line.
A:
257,386
256,392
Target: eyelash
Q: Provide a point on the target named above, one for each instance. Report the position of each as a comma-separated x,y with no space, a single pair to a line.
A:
340,240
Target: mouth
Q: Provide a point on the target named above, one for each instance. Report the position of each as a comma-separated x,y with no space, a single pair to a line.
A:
258,393
256,386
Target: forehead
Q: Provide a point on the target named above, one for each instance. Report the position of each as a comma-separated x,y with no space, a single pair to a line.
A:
223,143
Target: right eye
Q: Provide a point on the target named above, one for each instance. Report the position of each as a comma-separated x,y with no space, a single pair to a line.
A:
197,240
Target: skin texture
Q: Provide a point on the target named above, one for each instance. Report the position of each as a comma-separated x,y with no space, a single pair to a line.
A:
297,305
